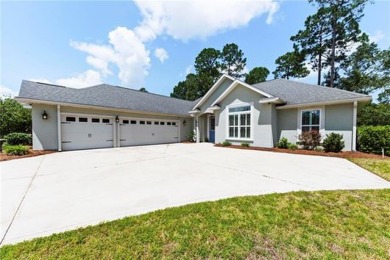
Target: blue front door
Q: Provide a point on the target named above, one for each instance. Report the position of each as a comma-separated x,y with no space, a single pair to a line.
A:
212,130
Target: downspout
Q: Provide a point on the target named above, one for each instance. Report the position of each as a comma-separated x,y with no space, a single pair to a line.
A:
59,138
197,129
354,136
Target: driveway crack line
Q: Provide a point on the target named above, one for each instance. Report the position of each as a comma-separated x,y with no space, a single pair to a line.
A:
21,201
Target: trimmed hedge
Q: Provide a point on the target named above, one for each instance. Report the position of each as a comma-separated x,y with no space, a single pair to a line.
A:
333,143
18,138
371,139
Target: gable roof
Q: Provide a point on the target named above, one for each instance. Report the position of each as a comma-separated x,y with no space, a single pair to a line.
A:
297,93
105,95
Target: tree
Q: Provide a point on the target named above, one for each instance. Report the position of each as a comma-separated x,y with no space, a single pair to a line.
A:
232,60
208,63
291,65
143,90
374,114
14,117
189,89
257,75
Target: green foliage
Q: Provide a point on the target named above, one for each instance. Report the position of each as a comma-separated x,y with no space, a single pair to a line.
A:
292,147
310,139
333,143
291,65
257,75
18,138
371,139
143,90
232,60
15,149
14,117
245,144
374,114
283,143
226,143
192,136
379,166
208,63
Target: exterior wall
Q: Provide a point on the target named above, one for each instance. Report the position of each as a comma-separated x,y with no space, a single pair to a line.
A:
339,119
262,115
288,125
44,132
223,86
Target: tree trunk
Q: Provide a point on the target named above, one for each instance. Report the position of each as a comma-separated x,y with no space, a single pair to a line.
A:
333,54
320,59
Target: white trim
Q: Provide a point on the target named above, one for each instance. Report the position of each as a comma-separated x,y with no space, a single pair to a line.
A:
275,100
197,129
333,102
354,120
212,89
59,135
322,119
241,104
235,84
208,127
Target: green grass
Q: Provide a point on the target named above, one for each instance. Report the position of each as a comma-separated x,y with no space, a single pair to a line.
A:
328,224
380,167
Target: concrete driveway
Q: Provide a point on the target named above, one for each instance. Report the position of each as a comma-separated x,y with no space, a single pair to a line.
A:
62,191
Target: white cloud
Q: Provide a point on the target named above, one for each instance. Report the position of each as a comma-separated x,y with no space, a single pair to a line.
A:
161,54
377,36
86,79
7,92
42,80
185,20
189,69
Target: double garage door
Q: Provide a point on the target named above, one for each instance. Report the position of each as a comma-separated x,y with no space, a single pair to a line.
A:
90,131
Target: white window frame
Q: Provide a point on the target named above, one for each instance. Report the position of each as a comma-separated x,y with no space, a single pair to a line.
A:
322,119
251,112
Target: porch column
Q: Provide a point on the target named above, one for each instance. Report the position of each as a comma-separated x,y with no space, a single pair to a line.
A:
197,129
354,126
59,144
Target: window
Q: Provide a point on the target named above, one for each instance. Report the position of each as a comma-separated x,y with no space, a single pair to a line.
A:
156,123
162,123
133,122
83,119
240,122
105,120
310,120
125,122
169,123
173,123
70,119
148,122
142,122
95,120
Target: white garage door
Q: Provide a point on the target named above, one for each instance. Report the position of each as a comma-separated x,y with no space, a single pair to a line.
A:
135,131
86,132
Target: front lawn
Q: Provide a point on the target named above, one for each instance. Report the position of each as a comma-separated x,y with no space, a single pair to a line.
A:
328,224
380,167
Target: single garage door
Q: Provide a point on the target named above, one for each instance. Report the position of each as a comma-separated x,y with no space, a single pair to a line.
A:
135,131
86,132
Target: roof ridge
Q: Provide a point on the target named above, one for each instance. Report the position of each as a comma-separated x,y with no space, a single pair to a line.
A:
44,83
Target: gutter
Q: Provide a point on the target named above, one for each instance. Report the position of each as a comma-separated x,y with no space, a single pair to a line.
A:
334,102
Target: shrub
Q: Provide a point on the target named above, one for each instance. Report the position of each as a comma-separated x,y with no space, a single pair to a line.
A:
18,138
226,143
333,143
292,147
371,139
310,139
245,144
15,149
192,136
283,143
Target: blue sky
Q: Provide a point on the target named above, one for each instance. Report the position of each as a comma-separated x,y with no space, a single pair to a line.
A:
148,44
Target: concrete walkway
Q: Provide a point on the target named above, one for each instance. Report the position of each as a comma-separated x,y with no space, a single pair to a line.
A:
62,191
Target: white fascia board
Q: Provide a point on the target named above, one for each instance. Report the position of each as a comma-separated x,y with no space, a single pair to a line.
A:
212,89
113,109
235,84
334,102
274,100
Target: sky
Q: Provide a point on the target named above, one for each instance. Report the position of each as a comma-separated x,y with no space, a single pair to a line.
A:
150,44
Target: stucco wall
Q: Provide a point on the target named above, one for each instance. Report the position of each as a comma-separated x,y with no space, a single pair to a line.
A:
339,119
44,132
223,86
287,125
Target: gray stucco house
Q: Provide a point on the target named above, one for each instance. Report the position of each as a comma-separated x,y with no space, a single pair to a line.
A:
260,114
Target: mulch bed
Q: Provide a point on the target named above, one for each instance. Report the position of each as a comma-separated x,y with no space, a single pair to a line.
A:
309,152
31,153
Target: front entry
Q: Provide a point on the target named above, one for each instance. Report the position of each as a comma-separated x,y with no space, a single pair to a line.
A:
212,129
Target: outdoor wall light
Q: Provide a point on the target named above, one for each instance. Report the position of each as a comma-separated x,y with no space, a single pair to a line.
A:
117,119
44,115
184,122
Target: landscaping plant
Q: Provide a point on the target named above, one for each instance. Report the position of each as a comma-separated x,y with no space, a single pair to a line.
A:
333,143
292,147
283,143
310,139
226,143
18,139
245,144
372,139
15,149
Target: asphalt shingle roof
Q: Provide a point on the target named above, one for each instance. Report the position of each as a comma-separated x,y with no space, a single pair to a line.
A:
106,96
295,93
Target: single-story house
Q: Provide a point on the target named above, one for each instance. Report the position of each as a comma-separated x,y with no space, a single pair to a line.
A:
260,114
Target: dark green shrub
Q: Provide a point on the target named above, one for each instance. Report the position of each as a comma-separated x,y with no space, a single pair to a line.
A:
18,138
371,139
333,143
15,149
245,144
310,140
226,143
283,143
292,147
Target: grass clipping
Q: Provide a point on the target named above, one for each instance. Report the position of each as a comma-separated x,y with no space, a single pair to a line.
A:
331,224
